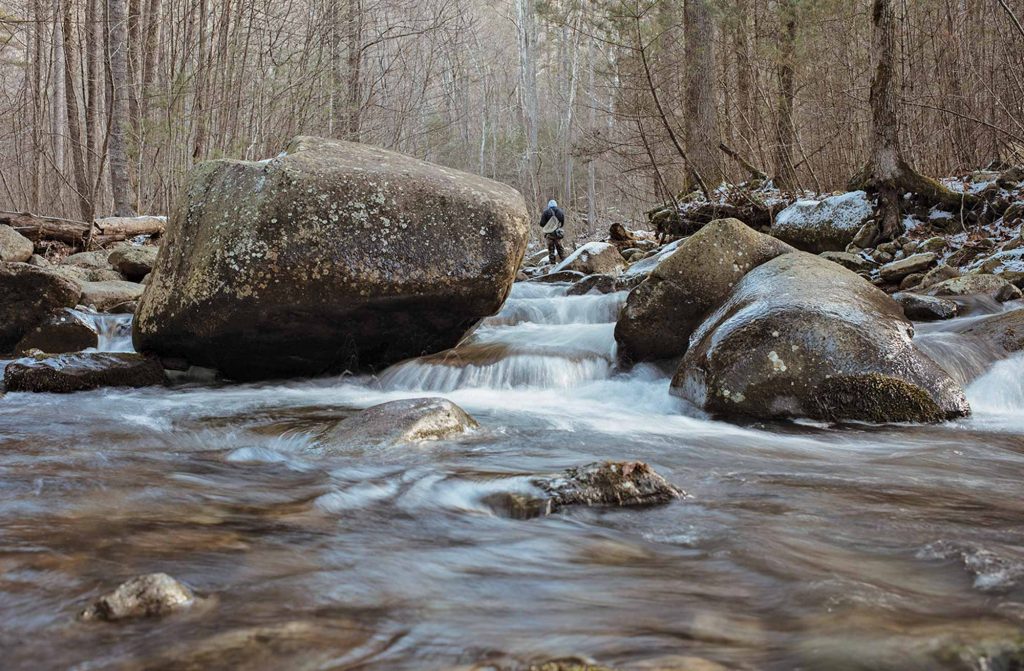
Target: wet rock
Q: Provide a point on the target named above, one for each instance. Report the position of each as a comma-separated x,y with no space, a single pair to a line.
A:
594,258
560,276
14,247
602,484
926,308
602,284
664,310
939,273
401,422
1005,330
108,296
568,664
134,262
27,295
677,663
64,330
802,337
332,256
66,373
897,270
854,262
976,284
629,282
149,595
828,225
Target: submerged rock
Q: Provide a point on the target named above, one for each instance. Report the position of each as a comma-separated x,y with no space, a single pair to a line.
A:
14,247
27,295
594,258
926,308
399,422
134,262
828,225
976,284
601,484
143,596
802,337
64,330
664,310
66,373
333,256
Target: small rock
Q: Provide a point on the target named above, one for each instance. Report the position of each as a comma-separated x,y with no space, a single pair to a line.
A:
909,249
897,270
66,373
14,247
975,284
854,262
911,281
65,330
568,664
143,596
934,245
107,296
866,236
881,257
926,308
400,422
560,276
38,261
134,262
602,284
938,274
887,247
97,260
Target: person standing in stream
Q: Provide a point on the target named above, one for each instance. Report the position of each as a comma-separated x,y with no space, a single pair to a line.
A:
551,222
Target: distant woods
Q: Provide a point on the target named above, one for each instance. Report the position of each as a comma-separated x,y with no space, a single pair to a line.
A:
606,105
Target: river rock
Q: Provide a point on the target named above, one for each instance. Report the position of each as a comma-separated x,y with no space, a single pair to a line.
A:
603,484
939,273
926,308
111,295
143,596
332,256
976,284
64,330
594,258
801,337
401,422
80,274
27,295
664,310
560,276
538,258
828,225
1005,330
14,247
602,284
134,262
854,262
97,259
66,373
897,270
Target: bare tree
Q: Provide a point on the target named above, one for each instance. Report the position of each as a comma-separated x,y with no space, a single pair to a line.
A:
120,179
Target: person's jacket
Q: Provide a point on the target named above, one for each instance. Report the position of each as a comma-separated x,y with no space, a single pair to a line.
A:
552,219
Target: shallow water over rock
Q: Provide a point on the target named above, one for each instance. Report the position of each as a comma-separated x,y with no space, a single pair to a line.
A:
799,545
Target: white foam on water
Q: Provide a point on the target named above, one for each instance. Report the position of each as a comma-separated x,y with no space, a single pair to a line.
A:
997,397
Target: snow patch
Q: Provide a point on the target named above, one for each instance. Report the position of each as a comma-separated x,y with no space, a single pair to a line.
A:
847,211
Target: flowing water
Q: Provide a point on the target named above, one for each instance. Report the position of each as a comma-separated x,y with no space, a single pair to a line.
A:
799,545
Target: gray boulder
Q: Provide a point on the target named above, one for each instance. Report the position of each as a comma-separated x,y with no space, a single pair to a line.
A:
895,271
27,295
602,284
333,256
926,308
134,262
67,373
112,295
143,596
828,225
976,284
802,337
1006,330
939,273
854,262
14,247
97,260
665,309
594,258
64,330
401,422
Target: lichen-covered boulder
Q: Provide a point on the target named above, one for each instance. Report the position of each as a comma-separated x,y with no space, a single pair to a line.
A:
64,330
27,295
664,310
802,337
14,247
333,256
401,422
828,225
594,258
82,371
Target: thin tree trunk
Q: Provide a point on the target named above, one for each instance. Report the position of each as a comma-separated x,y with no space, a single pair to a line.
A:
354,106
702,137
120,180
82,184
785,174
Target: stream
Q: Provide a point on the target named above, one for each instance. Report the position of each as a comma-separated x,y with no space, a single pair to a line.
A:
799,545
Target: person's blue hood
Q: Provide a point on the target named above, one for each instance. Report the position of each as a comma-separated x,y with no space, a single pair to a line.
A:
552,203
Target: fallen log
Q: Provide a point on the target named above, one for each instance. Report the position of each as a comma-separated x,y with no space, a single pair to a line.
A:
128,227
39,228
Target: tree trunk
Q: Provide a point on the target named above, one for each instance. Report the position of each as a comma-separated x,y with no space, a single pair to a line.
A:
82,183
702,137
527,23
354,102
785,173
120,180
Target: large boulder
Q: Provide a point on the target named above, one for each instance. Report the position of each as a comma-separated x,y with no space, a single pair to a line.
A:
66,373
802,337
134,262
828,225
14,247
333,256
27,295
111,295
64,330
401,422
594,258
665,309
